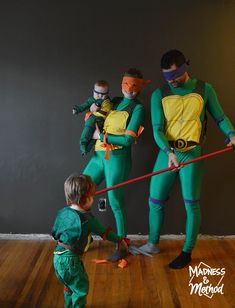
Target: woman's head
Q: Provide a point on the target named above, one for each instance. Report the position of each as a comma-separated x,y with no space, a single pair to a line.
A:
132,83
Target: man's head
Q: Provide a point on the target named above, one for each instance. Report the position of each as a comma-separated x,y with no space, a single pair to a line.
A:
79,190
174,67
101,89
132,83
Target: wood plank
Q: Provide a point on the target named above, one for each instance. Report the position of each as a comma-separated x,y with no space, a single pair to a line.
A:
27,277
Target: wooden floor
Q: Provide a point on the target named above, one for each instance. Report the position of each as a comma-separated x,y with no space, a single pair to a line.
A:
27,277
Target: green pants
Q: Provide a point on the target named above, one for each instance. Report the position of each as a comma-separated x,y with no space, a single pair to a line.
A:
113,171
160,186
86,141
70,271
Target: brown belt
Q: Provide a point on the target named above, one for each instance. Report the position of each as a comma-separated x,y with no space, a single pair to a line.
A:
70,248
180,144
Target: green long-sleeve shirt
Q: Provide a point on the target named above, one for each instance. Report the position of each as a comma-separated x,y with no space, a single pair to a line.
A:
211,104
84,106
135,120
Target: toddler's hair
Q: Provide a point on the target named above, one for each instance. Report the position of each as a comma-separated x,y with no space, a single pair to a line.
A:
102,83
78,187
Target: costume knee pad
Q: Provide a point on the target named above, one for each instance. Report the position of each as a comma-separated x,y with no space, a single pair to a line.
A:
153,201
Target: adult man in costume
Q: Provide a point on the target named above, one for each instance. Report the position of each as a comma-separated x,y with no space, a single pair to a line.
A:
178,111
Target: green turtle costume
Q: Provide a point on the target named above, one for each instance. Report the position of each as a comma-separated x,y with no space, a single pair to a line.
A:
179,124
72,230
112,157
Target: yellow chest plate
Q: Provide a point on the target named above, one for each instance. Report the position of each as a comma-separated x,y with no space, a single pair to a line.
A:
114,124
182,115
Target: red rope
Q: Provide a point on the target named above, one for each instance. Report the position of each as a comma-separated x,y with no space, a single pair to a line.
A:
140,178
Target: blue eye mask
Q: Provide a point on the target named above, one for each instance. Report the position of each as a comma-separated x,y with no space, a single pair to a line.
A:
172,75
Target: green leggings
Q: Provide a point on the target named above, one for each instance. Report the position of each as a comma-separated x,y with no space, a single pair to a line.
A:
160,186
86,141
113,171
71,272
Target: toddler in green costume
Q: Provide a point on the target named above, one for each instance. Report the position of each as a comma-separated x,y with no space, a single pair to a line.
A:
72,230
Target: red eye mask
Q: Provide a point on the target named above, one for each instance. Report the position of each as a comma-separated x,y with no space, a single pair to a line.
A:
132,84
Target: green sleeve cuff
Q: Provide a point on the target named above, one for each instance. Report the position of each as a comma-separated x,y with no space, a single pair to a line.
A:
98,102
231,134
167,150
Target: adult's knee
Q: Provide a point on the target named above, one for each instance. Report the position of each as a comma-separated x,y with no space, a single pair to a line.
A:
156,205
192,203
192,207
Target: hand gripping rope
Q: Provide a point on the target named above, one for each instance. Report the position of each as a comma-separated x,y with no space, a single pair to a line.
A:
143,177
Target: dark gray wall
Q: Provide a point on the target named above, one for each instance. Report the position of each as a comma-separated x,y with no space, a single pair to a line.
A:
51,53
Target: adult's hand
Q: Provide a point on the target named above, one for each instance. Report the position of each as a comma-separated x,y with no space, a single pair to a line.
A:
94,107
232,142
96,134
172,160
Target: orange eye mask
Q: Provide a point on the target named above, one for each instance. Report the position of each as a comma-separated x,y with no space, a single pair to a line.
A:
133,84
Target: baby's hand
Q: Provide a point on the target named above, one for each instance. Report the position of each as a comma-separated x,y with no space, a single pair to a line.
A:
94,108
76,110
